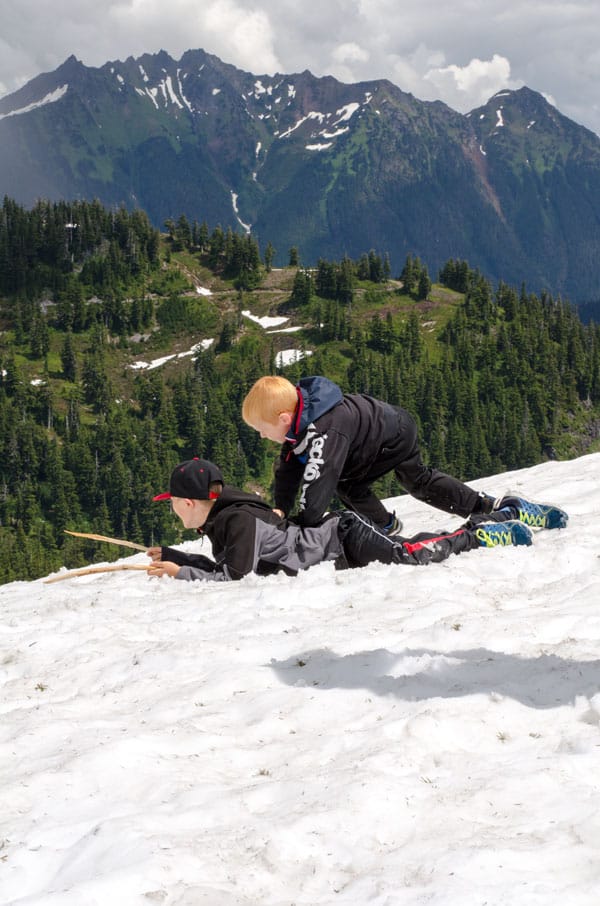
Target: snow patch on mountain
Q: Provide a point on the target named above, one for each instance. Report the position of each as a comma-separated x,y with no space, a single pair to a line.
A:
156,363
51,98
291,356
247,226
265,321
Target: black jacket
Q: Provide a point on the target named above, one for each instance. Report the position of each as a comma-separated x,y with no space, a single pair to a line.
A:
334,438
247,536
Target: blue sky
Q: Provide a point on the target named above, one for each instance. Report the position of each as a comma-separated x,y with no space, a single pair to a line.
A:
459,53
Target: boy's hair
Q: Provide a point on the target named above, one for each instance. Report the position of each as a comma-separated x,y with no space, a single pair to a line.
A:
268,398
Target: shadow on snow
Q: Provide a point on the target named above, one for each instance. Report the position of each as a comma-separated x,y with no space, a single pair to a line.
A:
546,681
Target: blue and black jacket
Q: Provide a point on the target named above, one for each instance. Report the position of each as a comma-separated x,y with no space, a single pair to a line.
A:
334,438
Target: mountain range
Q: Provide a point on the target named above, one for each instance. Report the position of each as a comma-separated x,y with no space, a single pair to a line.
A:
512,187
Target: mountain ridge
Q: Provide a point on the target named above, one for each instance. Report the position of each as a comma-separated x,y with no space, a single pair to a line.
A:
329,167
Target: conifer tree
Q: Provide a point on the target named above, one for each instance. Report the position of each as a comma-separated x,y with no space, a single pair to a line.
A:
268,257
424,285
68,359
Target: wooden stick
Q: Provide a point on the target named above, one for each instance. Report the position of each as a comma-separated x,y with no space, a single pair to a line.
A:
88,570
137,547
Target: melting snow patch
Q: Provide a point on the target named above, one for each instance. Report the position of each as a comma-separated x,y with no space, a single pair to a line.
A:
152,92
156,363
246,226
285,330
203,291
290,357
202,345
499,115
49,98
335,134
182,93
266,321
313,115
346,112
148,366
323,147
172,95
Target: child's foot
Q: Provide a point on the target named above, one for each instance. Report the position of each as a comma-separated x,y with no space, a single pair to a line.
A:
496,534
537,515
394,526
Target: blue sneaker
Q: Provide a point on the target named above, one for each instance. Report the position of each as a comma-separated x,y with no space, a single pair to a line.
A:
394,526
502,534
537,515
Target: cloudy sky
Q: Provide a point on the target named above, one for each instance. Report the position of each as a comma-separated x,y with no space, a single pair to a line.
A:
460,53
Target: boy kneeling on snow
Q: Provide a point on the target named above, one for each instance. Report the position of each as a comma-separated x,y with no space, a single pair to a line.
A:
248,536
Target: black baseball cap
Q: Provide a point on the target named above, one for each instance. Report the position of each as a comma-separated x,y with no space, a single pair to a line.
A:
192,479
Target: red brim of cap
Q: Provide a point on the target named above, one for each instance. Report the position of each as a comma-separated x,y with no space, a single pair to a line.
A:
165,496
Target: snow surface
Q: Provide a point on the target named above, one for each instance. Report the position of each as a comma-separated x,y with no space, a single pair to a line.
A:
392,736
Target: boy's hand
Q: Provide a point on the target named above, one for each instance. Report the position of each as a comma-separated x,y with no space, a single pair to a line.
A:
154,553
160,568
279,512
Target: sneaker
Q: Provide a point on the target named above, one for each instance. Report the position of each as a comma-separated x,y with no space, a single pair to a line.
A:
394,526
503,534
537,515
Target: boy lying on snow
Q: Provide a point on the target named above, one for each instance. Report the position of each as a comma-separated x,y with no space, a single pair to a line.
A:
248,536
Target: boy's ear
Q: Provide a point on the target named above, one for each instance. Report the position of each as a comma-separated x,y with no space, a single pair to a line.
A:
285,418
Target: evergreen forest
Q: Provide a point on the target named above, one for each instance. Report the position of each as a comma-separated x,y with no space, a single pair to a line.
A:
124,350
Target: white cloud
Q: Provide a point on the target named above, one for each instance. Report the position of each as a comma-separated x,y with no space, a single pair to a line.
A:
246,34
344,58
226,28
460,53
350,53
466,87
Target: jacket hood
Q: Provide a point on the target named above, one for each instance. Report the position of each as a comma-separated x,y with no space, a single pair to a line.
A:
316,396
231,496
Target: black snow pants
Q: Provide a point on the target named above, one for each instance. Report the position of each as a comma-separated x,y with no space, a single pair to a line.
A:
364,543
400,453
